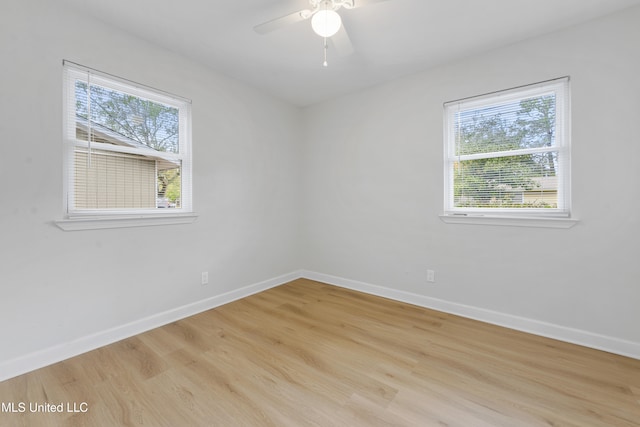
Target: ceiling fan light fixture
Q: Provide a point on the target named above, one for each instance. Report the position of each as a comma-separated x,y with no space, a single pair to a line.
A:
326,23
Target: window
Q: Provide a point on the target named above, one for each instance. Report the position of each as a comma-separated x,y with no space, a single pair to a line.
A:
128,148
507,153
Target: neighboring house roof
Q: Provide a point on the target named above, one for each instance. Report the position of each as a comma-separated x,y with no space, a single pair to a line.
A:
103,134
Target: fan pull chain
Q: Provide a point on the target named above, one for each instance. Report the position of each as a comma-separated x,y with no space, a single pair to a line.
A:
325,64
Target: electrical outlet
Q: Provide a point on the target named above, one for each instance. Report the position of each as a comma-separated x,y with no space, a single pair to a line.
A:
205,277
431,276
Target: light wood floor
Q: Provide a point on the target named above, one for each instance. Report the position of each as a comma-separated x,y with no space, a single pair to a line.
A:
310,354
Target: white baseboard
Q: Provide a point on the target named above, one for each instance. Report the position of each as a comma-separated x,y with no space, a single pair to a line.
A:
562,333
51,355
48,356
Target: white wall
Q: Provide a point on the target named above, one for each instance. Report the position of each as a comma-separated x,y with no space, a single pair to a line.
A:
56,286
374,182
371,179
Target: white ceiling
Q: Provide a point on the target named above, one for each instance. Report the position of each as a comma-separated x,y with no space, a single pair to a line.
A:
391,38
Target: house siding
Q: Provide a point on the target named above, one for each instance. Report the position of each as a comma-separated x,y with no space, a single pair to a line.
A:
548,197
114,181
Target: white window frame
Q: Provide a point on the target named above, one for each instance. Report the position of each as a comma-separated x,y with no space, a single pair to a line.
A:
80,219
559,217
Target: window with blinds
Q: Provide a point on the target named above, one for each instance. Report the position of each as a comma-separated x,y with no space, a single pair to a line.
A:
128,146
507,153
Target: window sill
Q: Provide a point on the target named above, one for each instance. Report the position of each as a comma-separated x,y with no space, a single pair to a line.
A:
510,221
97,223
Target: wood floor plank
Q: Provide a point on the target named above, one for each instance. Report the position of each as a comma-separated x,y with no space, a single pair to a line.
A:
311,354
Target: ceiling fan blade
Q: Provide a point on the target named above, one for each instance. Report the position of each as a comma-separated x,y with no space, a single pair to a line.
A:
360,3
276,24
342,43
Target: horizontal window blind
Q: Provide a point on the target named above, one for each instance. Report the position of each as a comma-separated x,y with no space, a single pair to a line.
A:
128,146
508,152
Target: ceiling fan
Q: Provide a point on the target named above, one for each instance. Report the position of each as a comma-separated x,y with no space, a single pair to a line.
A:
325,21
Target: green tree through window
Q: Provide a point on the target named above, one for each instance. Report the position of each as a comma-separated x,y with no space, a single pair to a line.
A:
150,124
499,181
